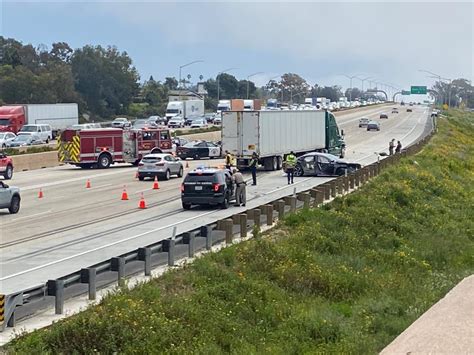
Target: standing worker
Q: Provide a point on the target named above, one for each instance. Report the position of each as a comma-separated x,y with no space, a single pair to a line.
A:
391,146
398,149
240,191
228,160
290,166
253,168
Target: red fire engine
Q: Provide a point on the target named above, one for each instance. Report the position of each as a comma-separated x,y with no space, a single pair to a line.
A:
102,147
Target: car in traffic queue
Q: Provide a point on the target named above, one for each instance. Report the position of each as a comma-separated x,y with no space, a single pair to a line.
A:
22,140
199,149
6,137
121,122
200,123
217,120
6,166
409,110
189,120
383,115
394,110
373,125
159,165
176,122
208,187
323,164
143,124
210,117
363,122
9,197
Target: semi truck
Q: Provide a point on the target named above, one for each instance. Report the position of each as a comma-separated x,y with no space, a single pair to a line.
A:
273,134
184,108
252,105
223,105
103,147
272,104
58,116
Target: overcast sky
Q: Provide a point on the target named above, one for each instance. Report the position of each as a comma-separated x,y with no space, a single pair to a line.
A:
318,40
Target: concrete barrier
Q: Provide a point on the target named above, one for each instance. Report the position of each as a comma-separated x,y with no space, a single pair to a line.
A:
33,161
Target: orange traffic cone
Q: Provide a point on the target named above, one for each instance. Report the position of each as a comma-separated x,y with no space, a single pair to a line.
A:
40,193
187,164
142,203
156,186
88,184
124,194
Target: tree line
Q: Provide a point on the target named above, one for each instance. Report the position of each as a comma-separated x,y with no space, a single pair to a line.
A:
105,83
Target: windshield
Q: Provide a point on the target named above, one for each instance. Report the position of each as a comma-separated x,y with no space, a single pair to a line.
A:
4,121
172,110
22,138
29,129
151,159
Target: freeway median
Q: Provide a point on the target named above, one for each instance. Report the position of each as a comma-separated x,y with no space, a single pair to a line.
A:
347,277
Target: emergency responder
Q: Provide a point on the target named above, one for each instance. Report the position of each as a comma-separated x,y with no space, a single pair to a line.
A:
391,146
228,160
398,149
290,162
253,167
240,191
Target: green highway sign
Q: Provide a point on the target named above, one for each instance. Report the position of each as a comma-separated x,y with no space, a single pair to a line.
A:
418,90
406,92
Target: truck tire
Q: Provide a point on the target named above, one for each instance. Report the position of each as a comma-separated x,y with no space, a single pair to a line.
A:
104,161
280,163
14,204
270,163
8,172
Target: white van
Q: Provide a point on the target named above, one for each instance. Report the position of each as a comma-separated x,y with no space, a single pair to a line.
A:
44,131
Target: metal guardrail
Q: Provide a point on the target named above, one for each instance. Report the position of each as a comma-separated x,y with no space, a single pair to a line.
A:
266,213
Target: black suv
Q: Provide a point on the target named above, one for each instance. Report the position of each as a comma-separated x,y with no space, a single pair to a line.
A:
207,186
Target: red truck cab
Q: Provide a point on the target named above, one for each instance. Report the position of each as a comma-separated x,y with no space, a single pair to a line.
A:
12,118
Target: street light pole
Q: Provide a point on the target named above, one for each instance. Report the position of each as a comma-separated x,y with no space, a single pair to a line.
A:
218,79
185,65
248,77
362,80
350,78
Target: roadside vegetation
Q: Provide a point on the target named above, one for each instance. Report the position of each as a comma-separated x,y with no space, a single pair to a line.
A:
345,278
29,150
179,132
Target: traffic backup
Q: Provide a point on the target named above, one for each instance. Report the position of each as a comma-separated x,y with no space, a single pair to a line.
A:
103,147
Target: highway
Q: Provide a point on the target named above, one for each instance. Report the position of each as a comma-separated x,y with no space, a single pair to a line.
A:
72,227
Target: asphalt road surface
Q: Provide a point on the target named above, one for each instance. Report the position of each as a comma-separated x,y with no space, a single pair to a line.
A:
72,227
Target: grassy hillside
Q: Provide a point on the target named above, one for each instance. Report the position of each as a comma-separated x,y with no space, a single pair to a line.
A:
347,278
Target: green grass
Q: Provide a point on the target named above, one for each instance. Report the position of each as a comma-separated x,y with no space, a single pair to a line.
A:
179,132
345,278
29,150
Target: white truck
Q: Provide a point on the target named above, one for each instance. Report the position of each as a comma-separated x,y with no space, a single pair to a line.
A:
223,105
185,108
273,134
248,105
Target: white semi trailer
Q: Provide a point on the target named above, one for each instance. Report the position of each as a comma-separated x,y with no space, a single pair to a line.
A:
273,134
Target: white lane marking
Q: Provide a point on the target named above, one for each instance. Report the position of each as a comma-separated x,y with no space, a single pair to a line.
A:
81,178
287,186
31,215
104,246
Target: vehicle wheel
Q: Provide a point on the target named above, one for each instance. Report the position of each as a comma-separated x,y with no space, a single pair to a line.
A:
299,170
186,206
340,172
180,173
4,146
275,163
8,173
47,140
225,204
267,164
104,161
167,175
279,163
141,178
14,205
196,157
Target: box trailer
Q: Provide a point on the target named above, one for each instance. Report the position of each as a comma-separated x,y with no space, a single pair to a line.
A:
58,116
273,134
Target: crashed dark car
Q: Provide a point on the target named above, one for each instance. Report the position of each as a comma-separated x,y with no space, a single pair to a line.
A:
323,164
